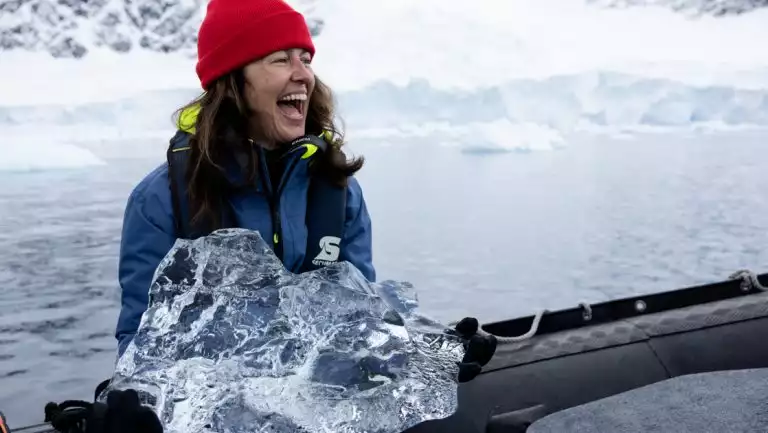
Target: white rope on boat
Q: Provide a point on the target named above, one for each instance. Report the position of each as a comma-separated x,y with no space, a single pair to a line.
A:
749,280
586,315
531,332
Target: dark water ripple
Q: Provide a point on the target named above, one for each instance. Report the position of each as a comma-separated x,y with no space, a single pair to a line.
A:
59,234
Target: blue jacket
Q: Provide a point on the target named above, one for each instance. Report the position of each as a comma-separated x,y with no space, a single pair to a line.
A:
148,233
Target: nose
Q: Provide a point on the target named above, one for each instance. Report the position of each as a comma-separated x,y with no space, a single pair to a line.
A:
300,71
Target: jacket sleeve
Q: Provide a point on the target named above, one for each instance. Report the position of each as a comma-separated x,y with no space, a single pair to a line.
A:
357,244
147,236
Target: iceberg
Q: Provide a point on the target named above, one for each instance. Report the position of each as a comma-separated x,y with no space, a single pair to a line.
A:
232,342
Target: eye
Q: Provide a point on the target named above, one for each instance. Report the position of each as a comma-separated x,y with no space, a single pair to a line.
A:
306,60
281,59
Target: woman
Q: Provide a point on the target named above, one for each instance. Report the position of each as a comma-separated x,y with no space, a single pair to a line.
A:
244,155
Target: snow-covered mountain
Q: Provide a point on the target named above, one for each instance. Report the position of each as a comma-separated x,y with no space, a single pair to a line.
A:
692,7
70,28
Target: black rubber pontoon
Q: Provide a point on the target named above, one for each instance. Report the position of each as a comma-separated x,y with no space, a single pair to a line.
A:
587,353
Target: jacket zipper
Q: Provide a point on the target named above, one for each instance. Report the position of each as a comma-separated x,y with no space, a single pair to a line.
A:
274,193
277,228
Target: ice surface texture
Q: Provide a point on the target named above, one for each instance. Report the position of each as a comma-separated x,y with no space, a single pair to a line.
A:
233,342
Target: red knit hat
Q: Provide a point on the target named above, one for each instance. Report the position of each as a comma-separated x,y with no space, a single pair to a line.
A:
237,32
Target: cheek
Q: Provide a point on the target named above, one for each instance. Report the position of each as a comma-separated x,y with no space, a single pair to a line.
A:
261,93
258,101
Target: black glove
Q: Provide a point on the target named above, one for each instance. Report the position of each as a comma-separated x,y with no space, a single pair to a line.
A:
122,413
479,348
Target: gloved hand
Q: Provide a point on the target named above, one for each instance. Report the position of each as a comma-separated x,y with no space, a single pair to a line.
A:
479,348
122,413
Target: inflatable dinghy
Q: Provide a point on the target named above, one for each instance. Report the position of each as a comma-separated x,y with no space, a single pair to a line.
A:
555,361
555,364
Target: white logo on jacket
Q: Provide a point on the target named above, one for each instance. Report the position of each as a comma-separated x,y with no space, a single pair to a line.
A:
329,251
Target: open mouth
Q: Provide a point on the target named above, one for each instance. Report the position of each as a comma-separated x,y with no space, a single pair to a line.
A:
292,106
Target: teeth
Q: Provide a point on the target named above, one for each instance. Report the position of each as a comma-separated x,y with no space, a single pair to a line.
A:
295,97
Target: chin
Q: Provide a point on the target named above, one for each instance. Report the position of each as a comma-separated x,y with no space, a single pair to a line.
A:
292,134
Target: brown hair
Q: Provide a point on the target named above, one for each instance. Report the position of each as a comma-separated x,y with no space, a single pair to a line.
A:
221,133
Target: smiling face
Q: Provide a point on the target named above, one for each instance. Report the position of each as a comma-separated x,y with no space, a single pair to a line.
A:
277,89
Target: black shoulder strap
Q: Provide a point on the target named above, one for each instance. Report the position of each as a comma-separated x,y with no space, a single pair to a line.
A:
177,156
326,215
178,159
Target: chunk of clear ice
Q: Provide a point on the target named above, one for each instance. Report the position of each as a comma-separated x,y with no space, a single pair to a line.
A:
233,342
